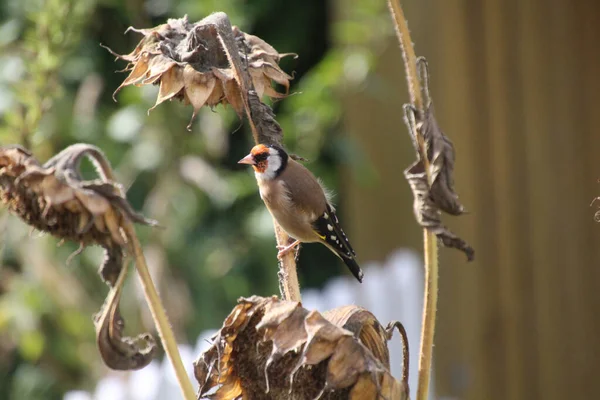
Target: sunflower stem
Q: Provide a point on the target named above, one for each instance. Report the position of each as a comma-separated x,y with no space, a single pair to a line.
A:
288,276
430,247
159,315
264,129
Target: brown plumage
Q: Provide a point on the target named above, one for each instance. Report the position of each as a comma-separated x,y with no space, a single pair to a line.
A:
298,202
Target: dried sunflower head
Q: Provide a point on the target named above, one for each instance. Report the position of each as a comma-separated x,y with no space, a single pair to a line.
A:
54,198
189,63
274,349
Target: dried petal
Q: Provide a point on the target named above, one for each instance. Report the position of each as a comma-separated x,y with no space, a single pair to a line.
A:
363,324
171,83
322,337
158,67
94,203
273,72
198,87
256,47
55,192
139,71
232,94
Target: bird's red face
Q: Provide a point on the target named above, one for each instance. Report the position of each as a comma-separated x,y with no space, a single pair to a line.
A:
258,158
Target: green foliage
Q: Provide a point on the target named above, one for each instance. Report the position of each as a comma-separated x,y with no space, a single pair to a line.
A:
217,245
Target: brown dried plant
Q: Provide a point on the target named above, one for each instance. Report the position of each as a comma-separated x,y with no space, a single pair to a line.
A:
189,62
431,181
54,198
439,195
274,349
267,348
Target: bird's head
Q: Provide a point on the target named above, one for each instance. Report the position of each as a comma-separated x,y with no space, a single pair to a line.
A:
268,161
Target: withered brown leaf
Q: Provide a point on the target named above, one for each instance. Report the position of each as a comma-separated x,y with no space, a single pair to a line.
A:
274,349
119,352
440,195
189,62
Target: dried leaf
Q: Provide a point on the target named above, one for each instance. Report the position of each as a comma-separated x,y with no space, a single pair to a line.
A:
273,349
187,59
118,352
111,265
429,200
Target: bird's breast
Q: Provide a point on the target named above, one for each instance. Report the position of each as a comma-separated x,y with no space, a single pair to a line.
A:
296,222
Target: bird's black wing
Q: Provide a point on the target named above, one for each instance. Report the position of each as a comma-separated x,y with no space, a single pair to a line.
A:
327,226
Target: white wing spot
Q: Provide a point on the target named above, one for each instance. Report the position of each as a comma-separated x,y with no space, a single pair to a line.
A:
330,227
333,237
326,216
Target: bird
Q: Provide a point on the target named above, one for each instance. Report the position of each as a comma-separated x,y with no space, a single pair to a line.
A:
300,204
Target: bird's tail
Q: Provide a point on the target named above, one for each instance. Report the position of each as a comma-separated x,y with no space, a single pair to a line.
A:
354,268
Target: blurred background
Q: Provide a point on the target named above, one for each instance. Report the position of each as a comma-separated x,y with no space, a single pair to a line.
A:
516,87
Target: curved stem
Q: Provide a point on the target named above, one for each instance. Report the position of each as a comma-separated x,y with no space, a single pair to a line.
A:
429,240
159,316
405,350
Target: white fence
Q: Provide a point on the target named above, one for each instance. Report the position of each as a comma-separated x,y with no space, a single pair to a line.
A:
393,291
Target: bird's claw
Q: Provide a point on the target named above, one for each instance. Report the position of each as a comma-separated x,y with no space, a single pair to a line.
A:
283,250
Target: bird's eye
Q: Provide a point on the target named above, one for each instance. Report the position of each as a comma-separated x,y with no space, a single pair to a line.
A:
260,157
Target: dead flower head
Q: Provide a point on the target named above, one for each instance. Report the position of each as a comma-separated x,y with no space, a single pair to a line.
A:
269,348
189,62
54,198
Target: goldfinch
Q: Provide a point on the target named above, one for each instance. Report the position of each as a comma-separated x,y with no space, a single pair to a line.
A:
297,201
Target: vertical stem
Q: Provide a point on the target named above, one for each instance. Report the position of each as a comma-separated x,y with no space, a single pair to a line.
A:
259,118
288,275
159,316
429,313
429,240
408,54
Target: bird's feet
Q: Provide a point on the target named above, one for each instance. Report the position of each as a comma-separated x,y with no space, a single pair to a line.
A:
283,250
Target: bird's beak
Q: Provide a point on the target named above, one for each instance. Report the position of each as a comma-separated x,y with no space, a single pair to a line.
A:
249,159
